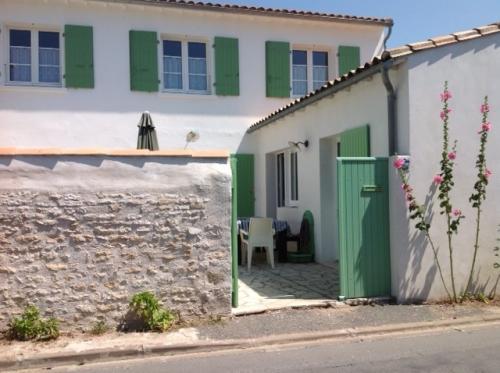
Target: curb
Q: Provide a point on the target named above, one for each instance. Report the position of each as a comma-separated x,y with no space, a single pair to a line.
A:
44,360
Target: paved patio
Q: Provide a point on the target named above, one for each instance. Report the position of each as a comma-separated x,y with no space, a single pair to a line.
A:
288,285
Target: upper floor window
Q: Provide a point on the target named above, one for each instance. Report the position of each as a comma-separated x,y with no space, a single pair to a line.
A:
320,69
34,57
309,70
185,66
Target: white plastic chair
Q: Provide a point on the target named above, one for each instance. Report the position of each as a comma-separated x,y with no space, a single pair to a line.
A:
260,234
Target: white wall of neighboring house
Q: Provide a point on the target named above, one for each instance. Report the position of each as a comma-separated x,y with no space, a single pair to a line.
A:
471,68
106,116
319,123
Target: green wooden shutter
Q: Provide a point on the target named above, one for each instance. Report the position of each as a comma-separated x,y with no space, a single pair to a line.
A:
227,69
78,56
143,61
355,142
277,69
349,59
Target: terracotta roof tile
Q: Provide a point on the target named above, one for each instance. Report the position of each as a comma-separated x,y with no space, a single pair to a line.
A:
394,53
261,11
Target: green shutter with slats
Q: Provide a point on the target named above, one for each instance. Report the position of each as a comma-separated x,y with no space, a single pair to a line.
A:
355,142
143,61
277,69
78,56
349,59
227,69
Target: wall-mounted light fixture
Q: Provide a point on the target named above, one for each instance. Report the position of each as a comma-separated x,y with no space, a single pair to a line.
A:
296,145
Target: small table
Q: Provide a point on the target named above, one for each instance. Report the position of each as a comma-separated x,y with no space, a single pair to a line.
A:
281,229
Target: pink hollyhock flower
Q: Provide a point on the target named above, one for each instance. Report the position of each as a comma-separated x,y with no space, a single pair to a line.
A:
399,163
457,212
438,179
452,156
444,113
485,108
445,96
486,126
487,173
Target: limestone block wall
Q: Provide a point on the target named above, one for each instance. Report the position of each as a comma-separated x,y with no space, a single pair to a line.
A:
80,234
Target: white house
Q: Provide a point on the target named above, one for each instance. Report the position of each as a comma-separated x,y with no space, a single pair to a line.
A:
79,73
386,107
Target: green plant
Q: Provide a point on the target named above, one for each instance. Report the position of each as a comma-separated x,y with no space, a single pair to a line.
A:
99,328
29,326
147,308
479,194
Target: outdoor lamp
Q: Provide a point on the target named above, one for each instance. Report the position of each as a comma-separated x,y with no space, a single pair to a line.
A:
192,136
297,144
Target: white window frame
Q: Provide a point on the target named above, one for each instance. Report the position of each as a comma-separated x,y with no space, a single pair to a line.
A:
34,29
184,40
287,177
310,49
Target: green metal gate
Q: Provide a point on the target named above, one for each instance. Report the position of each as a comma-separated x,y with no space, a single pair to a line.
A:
234,231
363,205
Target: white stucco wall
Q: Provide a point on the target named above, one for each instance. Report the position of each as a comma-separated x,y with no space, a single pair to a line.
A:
364,103
471,69
47,117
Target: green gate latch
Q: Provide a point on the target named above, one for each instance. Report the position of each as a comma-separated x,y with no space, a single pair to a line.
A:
372,188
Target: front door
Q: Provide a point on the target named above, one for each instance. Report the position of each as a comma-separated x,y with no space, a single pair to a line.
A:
363,200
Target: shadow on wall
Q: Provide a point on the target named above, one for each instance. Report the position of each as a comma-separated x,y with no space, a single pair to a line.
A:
413,257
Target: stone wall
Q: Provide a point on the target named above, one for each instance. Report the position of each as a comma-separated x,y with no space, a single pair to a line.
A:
79,235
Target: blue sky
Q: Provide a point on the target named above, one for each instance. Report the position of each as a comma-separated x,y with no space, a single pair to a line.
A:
415,20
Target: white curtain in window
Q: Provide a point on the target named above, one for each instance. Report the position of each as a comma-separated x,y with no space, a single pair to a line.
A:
299,79
48,65
197,74
320,76
20,64
172,72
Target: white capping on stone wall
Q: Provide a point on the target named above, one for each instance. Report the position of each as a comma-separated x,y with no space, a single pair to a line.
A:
80,234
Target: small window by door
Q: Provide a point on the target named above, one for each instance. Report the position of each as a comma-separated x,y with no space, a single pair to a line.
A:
294,179
280,168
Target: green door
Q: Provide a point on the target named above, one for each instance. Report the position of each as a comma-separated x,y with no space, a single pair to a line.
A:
245,185
363,205
234,232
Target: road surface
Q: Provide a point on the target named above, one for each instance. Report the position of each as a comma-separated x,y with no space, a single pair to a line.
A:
460,350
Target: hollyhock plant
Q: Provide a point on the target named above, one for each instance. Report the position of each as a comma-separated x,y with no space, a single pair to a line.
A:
483,175
438,179
452,156
399,163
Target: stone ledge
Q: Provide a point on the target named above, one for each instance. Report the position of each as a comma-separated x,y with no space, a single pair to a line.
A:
215,153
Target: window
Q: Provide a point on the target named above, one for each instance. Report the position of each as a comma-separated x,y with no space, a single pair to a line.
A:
185,66
172,64
280,167
306,64
320,69
34,57
299,73
294,180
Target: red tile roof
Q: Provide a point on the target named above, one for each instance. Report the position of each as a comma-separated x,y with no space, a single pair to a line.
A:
393,53
261,11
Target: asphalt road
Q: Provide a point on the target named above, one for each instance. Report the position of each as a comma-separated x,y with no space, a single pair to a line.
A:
466,350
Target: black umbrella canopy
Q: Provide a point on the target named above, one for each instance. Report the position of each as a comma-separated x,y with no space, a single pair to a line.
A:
147,134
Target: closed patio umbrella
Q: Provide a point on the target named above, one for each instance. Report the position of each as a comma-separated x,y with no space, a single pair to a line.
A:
147,134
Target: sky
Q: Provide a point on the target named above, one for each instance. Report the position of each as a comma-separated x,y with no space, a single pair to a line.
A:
414,20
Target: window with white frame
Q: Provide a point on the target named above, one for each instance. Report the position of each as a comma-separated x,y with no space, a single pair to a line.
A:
299,72
320,69
307,64
294,177
287,178
34,57
185,66
280,171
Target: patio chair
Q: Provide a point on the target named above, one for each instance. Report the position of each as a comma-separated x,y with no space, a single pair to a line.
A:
260,234
305,241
